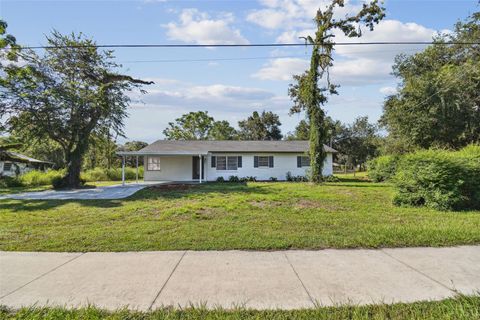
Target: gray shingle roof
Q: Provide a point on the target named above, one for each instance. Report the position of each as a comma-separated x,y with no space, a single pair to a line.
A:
203,147
15,156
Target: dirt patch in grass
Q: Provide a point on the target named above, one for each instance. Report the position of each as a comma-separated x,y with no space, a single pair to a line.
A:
265,203
172,187
208,213
315,204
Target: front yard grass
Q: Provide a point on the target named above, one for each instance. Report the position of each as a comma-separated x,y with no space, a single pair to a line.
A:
462,307
221,216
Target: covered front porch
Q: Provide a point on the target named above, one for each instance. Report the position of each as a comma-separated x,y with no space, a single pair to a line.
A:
173,167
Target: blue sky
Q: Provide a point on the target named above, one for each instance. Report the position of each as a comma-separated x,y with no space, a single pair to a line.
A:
232,89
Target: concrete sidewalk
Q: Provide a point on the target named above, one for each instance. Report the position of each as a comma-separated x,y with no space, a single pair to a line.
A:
260,280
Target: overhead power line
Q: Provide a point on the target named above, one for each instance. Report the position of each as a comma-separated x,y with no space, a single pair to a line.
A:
248,45
252,58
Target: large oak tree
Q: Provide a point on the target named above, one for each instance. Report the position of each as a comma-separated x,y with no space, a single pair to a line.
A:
68,93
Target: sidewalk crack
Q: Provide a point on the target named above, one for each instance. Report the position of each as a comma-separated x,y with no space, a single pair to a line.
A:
42,275
301,282
420,272
166,281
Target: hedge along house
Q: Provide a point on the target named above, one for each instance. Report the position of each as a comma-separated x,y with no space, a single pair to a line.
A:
200,160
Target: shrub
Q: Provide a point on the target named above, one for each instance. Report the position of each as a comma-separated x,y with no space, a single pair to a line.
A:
273,179
251,178
439,179
288,176
112,174
36,178
58,183
382,168
9,182
331,178
233,179
96,174
220,179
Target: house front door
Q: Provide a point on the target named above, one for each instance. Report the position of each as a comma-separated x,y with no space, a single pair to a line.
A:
196,168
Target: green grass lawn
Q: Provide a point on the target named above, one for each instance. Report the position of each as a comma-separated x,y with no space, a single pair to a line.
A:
220,216
462,307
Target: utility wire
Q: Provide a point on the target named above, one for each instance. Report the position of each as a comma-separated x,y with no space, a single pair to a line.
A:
247,45
252,58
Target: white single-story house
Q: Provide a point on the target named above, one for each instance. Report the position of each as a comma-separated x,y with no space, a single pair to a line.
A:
200,160
13,164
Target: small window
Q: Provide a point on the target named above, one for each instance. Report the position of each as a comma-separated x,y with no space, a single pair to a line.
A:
221,163
232,163
7,166
227,163
153,164
263,161
305,161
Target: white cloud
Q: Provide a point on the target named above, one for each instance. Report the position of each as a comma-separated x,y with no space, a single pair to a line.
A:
290,14
386,30
195,26
281,69
213,96
355,72
293,36
388,90
358,72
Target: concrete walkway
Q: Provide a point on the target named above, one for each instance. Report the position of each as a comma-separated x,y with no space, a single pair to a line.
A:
260,280
106,192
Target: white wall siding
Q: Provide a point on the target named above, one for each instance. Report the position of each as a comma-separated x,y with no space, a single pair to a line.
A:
283,162
179,168
172,168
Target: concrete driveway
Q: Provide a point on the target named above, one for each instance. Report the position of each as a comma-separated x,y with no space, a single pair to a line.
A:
106,193
260,280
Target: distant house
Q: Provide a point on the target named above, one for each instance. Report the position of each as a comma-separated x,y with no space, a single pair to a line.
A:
168,160
13,164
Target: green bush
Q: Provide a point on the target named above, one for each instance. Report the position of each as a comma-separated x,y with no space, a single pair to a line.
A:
10,182
439,179
331,178
233,179
113,174
36,178
382,168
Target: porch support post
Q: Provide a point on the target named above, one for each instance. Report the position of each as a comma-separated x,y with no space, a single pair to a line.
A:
206,169
123,170
136,176
201,167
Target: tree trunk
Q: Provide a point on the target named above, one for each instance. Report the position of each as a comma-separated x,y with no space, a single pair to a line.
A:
317,152
74,166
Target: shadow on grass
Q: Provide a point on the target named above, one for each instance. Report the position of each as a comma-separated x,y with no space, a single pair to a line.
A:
149,193
354,179
359,185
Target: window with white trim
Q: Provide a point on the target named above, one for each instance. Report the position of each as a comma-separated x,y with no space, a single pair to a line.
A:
227,163
153,163
263,161
305,161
